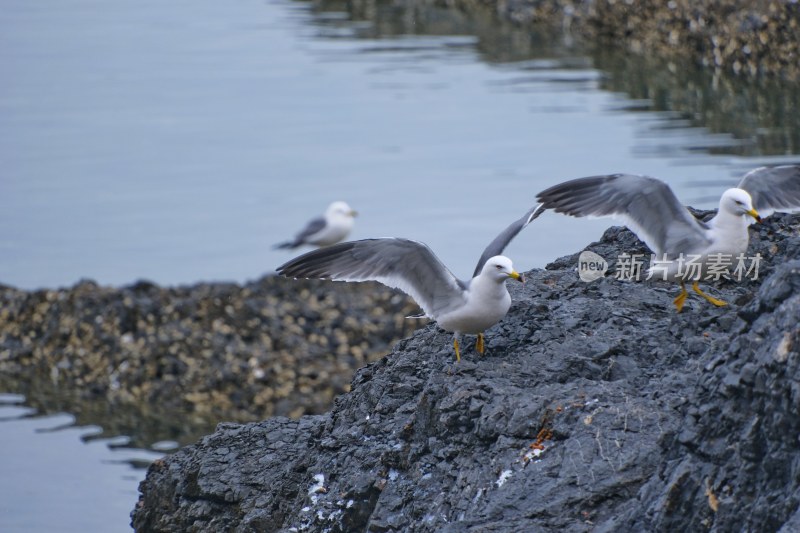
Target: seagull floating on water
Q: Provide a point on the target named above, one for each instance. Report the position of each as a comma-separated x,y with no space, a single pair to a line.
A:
649,208
334,226
460,307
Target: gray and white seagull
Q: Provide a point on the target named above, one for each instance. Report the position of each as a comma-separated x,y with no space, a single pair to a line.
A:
460,307
330,228
649,208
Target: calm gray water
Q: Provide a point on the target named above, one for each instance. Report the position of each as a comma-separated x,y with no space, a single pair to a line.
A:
177,141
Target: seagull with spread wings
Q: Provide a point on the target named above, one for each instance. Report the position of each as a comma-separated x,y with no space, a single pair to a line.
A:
460,307
650,209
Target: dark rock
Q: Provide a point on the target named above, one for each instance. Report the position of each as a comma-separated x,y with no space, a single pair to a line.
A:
596,408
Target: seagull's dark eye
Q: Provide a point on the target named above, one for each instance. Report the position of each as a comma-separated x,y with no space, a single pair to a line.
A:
739,203
498,267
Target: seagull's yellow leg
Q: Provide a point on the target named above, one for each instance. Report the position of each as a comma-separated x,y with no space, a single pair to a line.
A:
479,345
455,345
718,303
681,298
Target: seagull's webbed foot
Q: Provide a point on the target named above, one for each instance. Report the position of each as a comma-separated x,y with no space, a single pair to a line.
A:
479,346
455,345
715,301
681,298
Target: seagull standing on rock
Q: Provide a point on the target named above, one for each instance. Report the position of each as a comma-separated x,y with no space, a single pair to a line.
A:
460,307
334,226
650,209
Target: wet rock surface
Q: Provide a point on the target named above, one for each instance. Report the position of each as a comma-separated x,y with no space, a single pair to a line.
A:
596,408
183,358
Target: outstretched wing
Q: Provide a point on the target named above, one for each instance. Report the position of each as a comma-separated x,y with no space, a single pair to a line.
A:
398,263
646,205
773,188
500,242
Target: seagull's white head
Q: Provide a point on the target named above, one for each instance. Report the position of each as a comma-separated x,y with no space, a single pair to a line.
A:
340,210
499,268
738,202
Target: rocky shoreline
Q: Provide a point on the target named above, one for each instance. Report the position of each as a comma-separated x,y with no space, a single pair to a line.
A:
184,358
753,39
597,408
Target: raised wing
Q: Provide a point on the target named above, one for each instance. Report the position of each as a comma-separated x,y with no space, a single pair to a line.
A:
500,242
646,205
398,263
773,188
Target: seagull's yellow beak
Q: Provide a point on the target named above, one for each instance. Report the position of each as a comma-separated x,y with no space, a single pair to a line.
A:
517,276
353,213
753,213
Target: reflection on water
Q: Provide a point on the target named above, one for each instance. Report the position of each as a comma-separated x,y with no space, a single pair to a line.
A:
61,476
694,113
756,117
752,117
139,426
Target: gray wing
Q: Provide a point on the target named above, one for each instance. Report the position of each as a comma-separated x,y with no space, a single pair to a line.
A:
500,242
646,205
398,263
773,188
314,226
